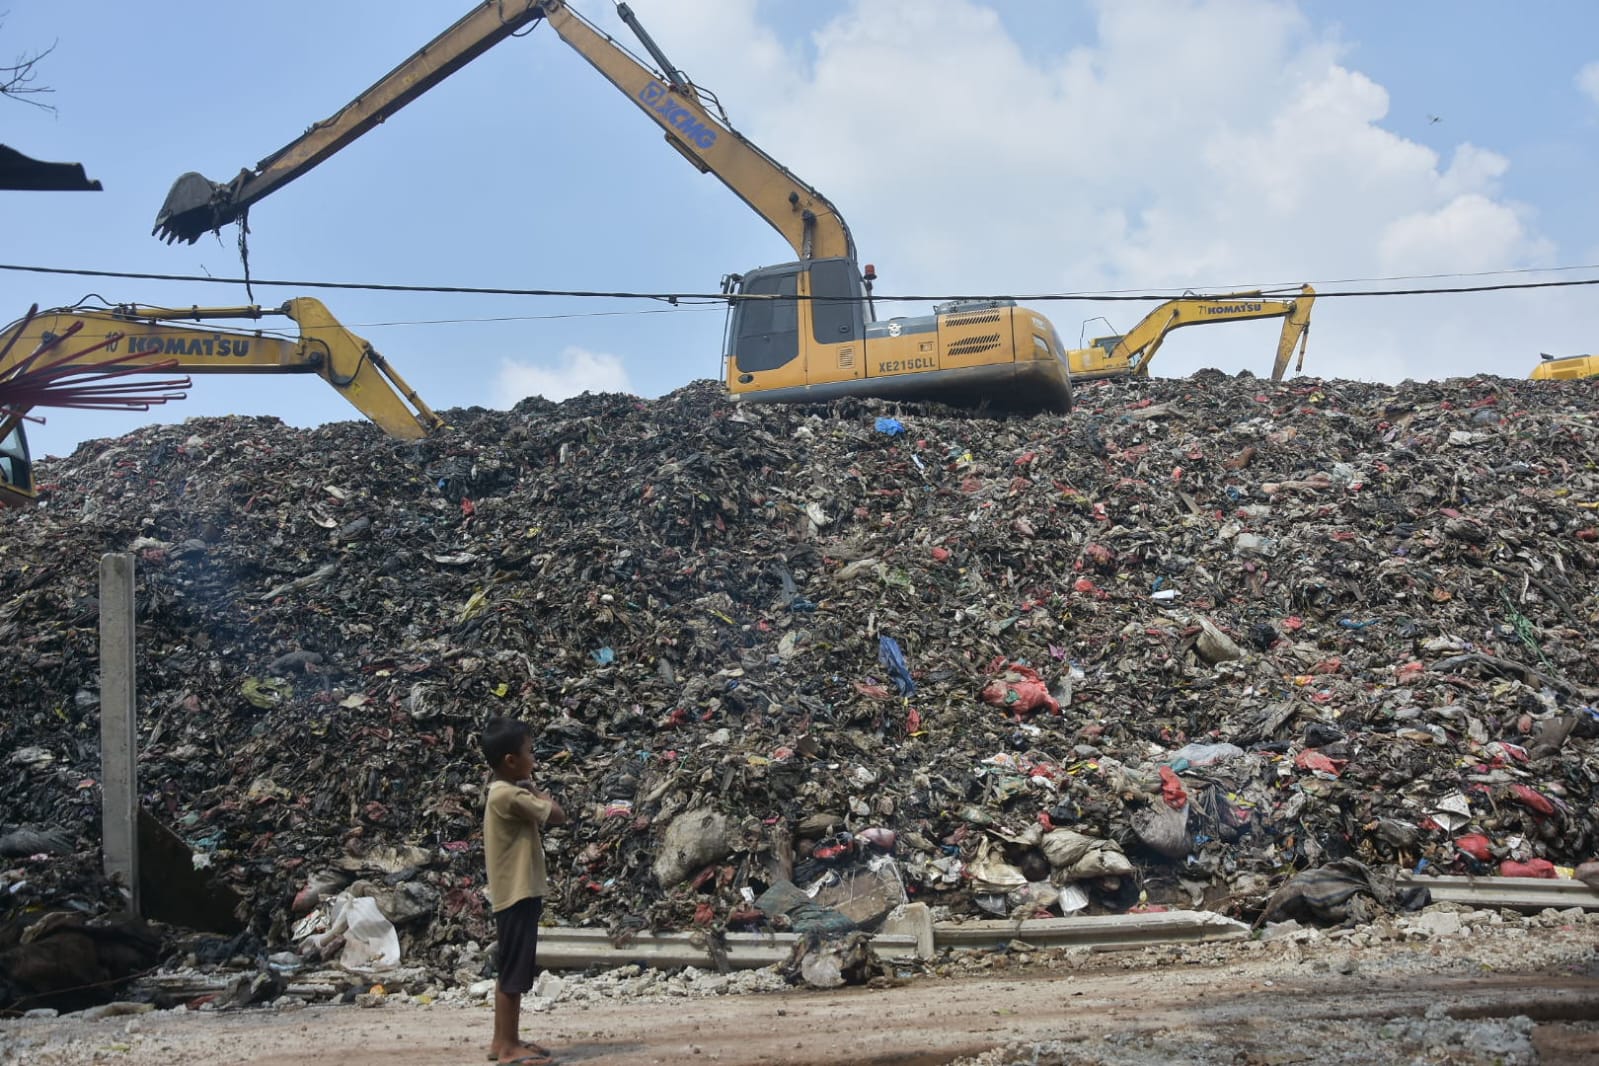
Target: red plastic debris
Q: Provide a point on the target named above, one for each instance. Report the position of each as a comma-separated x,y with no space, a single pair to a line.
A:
1019,690
1533,799
1310,759
1541,868
1475,845
1088,588
1171,789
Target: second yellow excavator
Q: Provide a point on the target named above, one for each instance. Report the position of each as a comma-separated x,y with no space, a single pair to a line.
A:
84,357
1129,354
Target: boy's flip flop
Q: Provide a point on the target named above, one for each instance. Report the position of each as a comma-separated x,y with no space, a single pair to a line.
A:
537,1055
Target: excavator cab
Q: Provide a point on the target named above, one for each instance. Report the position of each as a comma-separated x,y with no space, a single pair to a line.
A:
766,340
16,468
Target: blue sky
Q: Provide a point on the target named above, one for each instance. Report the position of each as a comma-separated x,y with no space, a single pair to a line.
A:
1026,146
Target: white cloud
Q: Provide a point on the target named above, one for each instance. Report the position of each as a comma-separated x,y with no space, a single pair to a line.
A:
1469,233
1588,81
576,371
1184,144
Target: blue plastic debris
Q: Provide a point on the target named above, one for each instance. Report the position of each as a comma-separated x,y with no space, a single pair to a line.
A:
603,656
893,659
891,426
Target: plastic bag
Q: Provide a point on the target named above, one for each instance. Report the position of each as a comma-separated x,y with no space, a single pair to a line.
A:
892,658
991,873
370,942
1206,754
1078,855
1019,690
1164,828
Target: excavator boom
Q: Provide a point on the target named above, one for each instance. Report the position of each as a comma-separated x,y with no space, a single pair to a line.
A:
806,219
195,205
137,340
797,331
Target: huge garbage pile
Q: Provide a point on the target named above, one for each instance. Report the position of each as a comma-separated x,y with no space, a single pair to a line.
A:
1194,638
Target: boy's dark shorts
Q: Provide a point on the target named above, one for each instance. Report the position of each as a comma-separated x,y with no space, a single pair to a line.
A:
517,958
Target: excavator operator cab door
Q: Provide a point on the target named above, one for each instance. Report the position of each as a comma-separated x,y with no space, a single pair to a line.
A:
796,326
763,329
16,469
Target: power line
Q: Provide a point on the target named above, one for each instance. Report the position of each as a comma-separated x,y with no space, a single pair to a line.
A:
1288,287
529,318
679,298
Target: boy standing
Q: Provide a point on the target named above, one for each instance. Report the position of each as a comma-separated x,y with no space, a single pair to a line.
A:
513,846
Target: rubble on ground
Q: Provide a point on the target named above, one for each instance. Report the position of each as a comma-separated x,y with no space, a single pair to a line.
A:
1196,638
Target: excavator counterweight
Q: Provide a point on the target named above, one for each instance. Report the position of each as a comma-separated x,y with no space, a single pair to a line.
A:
1565,368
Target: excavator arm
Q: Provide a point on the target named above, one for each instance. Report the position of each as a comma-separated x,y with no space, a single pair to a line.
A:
811,224
1131,353
196,205
1296,333
41,352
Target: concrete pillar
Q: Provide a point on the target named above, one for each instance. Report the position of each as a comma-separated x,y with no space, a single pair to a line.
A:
119,739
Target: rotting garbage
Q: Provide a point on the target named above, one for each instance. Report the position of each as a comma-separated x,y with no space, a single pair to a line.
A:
802,615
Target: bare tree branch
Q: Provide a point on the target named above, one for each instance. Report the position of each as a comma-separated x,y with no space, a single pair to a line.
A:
17,79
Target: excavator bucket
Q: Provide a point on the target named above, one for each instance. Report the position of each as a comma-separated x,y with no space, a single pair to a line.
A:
194,206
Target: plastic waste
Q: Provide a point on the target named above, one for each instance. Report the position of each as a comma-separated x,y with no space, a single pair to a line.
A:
370,940
1541,868
1019,690
1205,754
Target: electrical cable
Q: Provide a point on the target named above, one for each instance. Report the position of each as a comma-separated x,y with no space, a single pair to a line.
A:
677,298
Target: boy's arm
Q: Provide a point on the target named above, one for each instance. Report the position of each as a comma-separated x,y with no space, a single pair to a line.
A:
555,816
534,807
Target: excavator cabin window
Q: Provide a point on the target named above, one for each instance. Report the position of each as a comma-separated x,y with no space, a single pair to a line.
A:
837,305
766,332
15,468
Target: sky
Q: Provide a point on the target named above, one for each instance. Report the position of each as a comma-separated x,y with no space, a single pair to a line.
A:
996,147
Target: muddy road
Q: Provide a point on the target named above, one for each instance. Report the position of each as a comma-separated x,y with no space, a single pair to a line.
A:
1520,996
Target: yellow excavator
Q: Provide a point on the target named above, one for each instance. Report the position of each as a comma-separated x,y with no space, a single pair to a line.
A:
1565,367
1130,354
98,357
798,331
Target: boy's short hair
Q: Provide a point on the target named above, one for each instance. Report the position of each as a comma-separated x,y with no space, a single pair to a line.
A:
502,737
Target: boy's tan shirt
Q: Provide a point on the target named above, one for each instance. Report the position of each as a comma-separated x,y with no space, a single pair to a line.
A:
513,845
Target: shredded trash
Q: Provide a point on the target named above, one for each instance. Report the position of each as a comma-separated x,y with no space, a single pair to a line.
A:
1058,665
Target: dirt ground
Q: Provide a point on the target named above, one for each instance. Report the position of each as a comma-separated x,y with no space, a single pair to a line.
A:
1497,995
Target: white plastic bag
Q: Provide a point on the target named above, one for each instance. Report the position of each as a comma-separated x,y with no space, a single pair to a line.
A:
370,942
